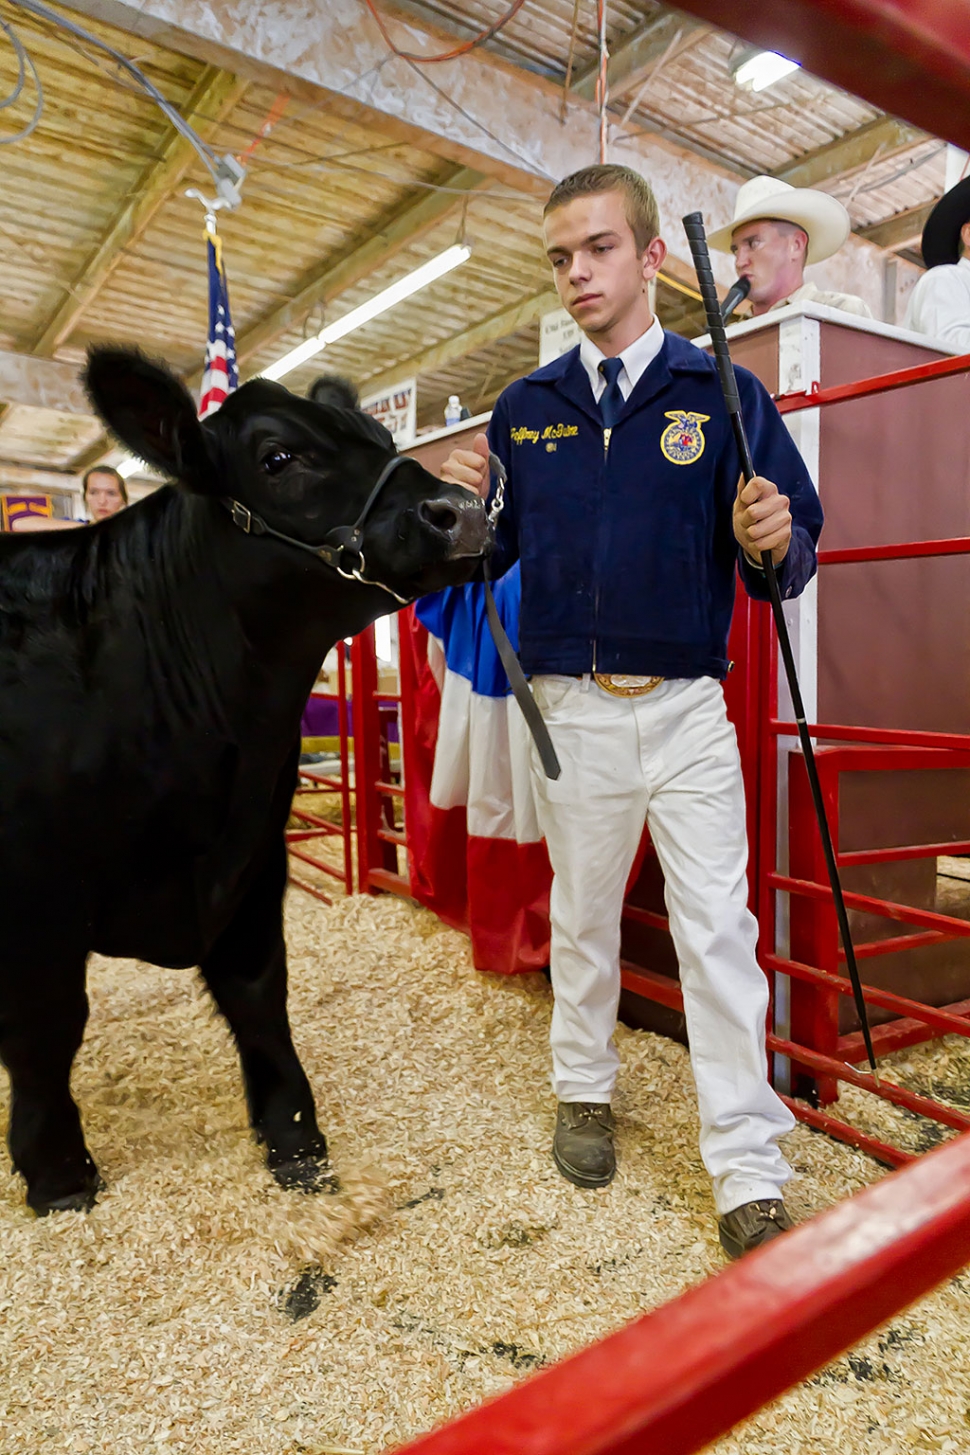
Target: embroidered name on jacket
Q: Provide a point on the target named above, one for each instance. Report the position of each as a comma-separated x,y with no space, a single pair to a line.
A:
683,441
520,434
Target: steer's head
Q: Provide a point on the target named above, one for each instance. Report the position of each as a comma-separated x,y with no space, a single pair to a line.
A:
305,469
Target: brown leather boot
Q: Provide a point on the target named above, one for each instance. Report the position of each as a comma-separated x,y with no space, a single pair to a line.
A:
752,1224
583,1144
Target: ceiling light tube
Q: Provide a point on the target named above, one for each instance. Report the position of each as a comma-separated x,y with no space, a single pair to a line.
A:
763,69
420,278
427,273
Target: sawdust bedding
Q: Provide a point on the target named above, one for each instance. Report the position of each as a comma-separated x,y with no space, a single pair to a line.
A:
200,1308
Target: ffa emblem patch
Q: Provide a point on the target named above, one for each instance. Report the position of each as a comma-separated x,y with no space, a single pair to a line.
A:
683,441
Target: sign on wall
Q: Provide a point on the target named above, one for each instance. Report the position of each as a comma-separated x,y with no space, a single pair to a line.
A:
557,335
15,507
396,410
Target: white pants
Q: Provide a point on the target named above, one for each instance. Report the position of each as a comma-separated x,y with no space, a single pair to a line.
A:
670,757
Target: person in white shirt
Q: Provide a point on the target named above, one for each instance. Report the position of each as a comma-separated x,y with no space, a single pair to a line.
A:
776,231
940,303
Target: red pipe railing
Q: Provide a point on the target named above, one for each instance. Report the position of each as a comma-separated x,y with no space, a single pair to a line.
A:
312,782
677,1378
876,384
378,838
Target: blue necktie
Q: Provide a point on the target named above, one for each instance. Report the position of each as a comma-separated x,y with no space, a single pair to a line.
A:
611,400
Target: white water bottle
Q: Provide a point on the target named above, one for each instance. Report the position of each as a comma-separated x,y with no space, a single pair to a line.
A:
453,410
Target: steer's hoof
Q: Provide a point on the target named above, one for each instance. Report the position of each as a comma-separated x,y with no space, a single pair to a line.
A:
81,1201
307,1174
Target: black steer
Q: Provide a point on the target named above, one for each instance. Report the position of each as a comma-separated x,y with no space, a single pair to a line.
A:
153,670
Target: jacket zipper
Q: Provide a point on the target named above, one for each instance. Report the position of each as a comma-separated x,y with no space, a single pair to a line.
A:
596,599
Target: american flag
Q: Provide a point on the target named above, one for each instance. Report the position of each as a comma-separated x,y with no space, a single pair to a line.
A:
221,375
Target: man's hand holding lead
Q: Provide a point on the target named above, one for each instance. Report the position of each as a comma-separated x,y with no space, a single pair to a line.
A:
762,520
469,467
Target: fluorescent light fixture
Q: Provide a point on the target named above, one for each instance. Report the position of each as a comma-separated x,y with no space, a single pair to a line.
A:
763,69
420,278
435,268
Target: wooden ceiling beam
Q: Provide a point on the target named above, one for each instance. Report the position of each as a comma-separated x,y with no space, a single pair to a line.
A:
41,384
634,57
903,230
15,476
479,336
409,224
880,138
485,114
213,97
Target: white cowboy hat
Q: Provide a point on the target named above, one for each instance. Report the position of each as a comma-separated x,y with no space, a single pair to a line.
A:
822,217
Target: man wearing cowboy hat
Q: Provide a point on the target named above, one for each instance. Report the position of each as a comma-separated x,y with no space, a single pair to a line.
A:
778,229
940,302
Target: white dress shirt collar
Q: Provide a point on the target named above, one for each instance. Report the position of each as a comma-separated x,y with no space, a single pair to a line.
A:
636,358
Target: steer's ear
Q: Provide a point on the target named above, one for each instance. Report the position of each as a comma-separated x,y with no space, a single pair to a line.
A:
151,412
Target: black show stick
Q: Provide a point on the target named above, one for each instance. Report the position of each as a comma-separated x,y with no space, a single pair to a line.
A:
694,227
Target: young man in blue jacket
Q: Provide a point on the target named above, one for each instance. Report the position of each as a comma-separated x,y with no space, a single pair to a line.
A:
625,509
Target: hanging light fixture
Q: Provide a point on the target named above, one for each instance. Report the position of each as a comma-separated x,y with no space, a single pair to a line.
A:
412,282
420,278
757,70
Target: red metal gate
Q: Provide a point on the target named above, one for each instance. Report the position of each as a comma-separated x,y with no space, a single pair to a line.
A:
368,786
308,826
820,1056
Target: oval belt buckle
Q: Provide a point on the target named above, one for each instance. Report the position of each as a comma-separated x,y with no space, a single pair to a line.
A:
621,685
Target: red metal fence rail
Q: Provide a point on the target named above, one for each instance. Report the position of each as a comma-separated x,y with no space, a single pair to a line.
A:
822,1057
677,1378
310,825
379,787
818,1052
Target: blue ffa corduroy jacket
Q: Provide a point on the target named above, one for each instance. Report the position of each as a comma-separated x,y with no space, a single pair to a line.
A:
626,545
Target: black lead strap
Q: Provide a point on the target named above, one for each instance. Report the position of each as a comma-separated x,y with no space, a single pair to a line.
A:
520,687
694,227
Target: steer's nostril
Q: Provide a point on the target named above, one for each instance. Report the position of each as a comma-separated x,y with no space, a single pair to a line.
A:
439,514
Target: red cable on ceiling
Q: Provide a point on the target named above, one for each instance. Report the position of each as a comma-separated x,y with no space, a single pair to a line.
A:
460,50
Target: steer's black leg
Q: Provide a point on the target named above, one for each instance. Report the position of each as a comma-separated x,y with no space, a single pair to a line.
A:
42,1020
246,972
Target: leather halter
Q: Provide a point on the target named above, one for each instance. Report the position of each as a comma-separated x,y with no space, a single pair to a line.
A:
344,541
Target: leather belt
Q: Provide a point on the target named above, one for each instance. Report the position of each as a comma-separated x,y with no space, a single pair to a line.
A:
622,684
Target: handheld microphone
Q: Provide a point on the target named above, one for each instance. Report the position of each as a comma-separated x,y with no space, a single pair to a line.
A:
736,294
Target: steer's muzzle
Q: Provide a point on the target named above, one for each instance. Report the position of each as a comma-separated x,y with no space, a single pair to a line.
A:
458,516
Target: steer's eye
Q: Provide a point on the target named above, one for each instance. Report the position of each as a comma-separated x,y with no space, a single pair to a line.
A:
276,461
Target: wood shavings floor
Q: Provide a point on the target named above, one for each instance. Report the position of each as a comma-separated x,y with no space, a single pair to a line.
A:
200,1308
